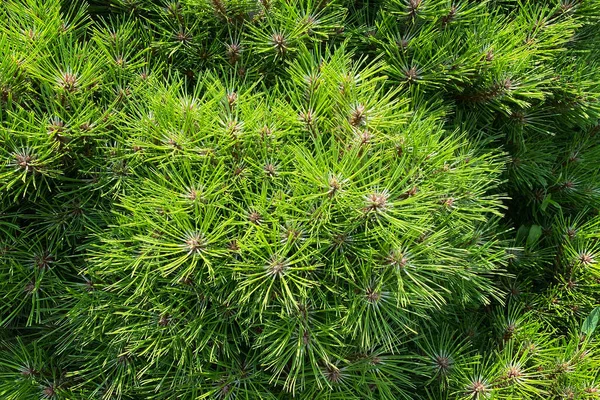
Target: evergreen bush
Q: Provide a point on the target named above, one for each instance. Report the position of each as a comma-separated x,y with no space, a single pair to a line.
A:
312,199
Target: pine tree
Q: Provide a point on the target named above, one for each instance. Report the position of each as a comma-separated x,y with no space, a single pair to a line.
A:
305,199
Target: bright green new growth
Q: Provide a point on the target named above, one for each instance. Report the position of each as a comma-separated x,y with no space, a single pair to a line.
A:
318,237
299,199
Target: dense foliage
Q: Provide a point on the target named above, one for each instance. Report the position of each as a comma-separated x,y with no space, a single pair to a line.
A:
313,199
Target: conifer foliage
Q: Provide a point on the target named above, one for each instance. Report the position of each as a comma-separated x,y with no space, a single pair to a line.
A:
312,199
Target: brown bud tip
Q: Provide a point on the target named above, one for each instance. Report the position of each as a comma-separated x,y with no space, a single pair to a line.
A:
277,266
279,43
377,202
372,295
194,243
255,218
586,259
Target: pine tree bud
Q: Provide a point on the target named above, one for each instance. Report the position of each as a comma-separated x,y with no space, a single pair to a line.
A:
195,243
277,266
377,202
